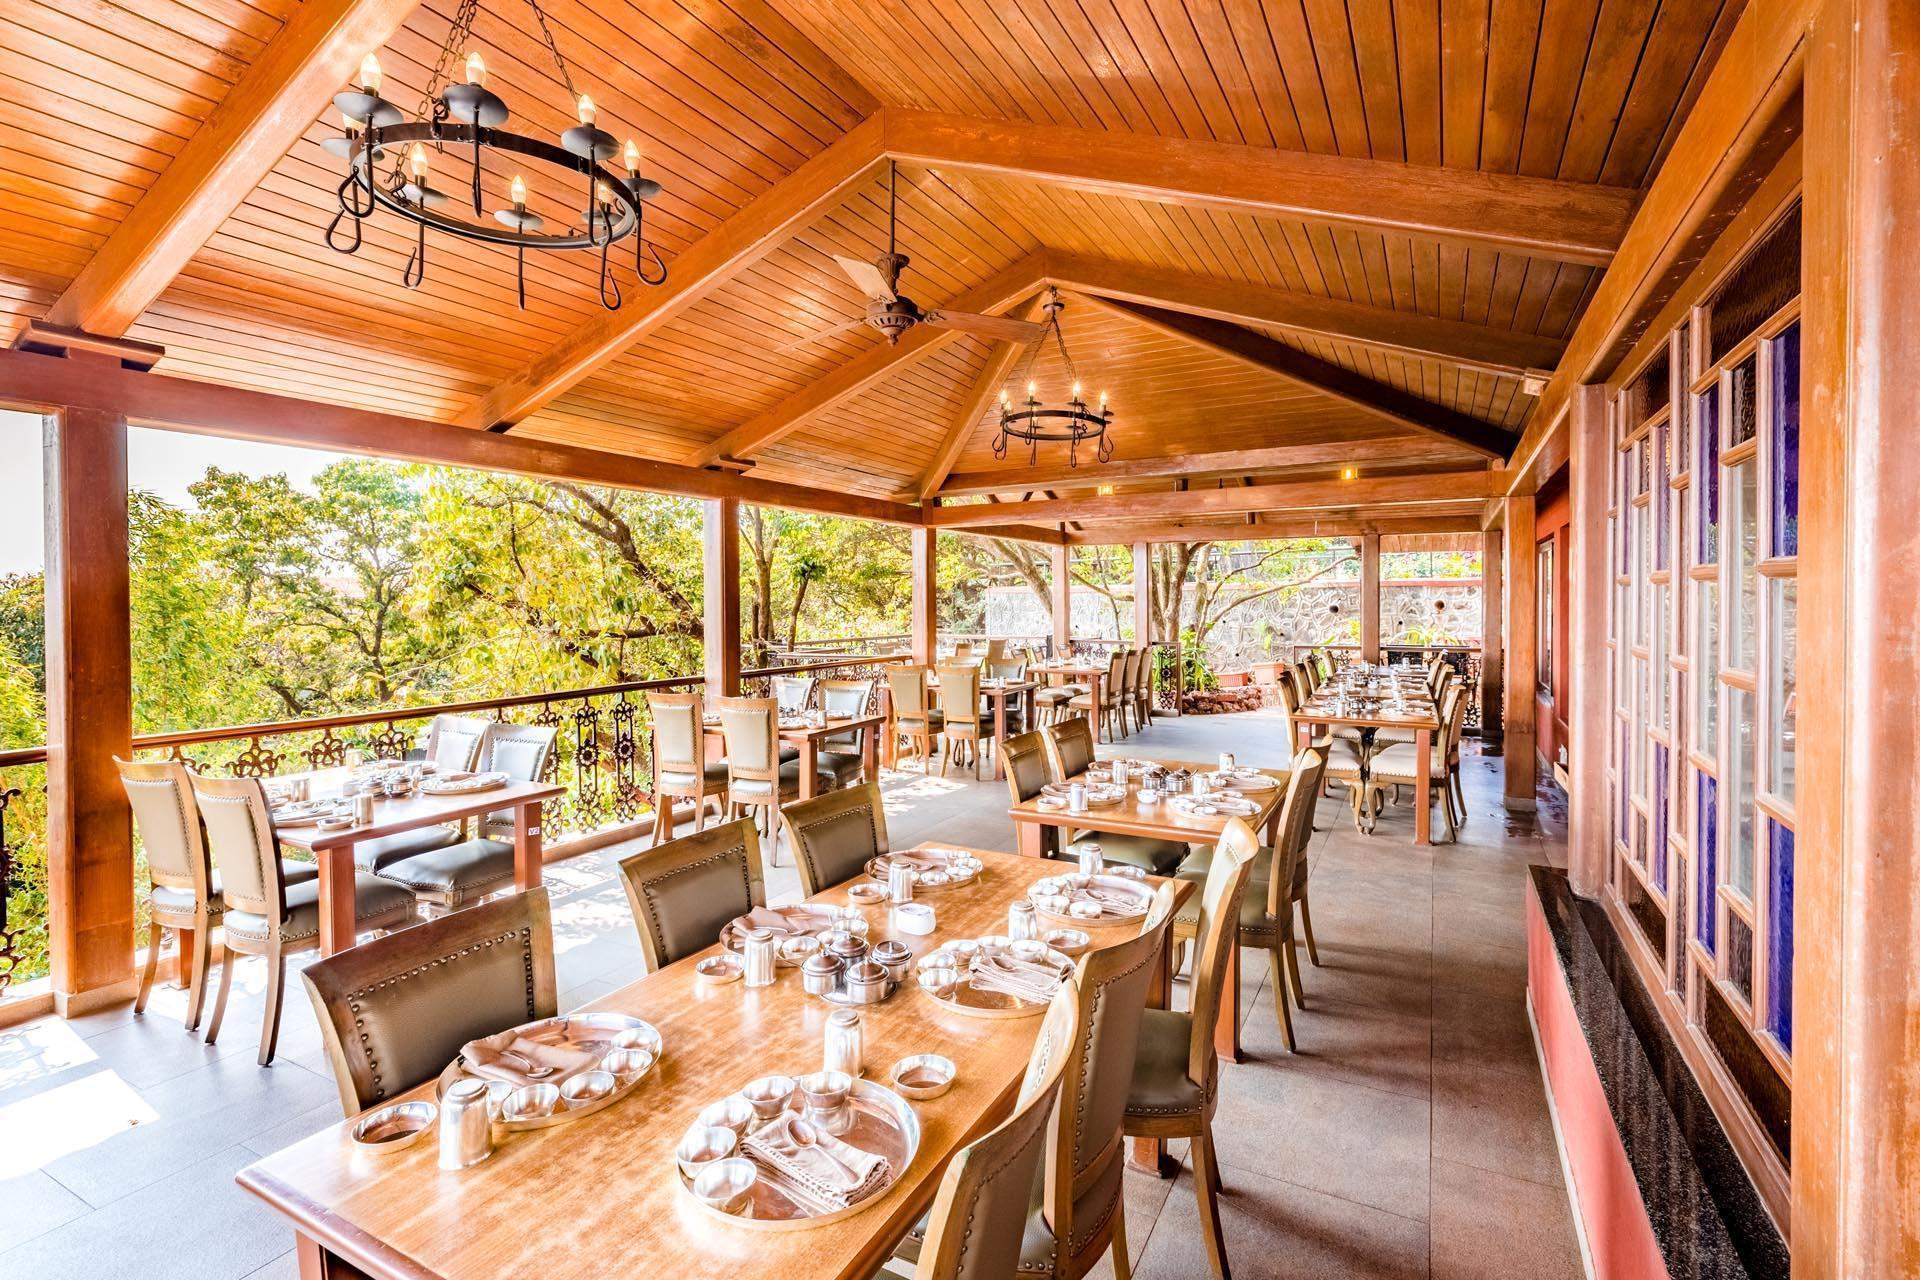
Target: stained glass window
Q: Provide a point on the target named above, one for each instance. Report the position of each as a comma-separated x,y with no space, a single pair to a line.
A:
1706,847
1780,932
1784,482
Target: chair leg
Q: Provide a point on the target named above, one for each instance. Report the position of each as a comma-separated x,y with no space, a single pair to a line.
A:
197,975
270,1021
220,997
1306,927
1446,807
1281,996
1206,1186
1293,971
153,964
1122,1265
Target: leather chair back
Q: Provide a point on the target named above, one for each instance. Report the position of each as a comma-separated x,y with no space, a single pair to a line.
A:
907,687
1130,681
834,835
753,743
521,751
1025,757
679,739
240,838
845,698
394,1011
979,1215
453,742
1216,934
168,822
1115,682
1007,669
1296,825
685,891
960,694
1069,747
793,694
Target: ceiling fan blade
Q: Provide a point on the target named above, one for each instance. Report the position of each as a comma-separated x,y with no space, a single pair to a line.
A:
986,326
821,336
868,277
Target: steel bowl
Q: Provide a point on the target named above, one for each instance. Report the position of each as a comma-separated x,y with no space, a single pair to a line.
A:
923,1076
588,1086
731,1112
627,1065
531,1102
769,1095
727,1185
704,1144
394,1127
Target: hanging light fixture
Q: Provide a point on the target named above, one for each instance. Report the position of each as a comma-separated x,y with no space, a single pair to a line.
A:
1073,425
389,159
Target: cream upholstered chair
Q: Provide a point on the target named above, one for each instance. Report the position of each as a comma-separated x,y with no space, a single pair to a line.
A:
959,696
1130,691
685,892
794,694
266,916
1110,692
1176,1071
841,759
395,1010
757,778
453,742
1398,765
913,717
452,746
835,835
681,770
183,892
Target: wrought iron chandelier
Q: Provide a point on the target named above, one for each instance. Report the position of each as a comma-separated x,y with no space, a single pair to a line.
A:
1073,425
388,163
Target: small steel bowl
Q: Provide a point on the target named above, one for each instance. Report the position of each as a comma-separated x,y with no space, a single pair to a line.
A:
923,1076
394,1127
719,969
769,1095
627,1065
826,1090
916,918
964,950
588,1086
1031,950
994,943
1069,942
731,1112
867,893
939,982
868,983
498,1091
727,1185
704,1144
531,1102
821,973
639,1038
798,948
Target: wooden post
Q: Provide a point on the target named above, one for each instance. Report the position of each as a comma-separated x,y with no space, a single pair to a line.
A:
722,623
1522,637
1589,579
925,624
1856,1093
1369,597
1142,595
1062,589
90,886
1493,656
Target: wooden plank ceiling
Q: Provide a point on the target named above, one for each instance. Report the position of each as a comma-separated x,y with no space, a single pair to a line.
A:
729,98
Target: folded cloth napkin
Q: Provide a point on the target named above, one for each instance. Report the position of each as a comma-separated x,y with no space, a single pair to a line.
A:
1113,902
922,859
816,1168
1023,979
783,922
488,1057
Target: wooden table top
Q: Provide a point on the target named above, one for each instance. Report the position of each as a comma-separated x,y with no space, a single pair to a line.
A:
1069,669
1000,690
601,1197
391,816
834,726
1160,820
1321,710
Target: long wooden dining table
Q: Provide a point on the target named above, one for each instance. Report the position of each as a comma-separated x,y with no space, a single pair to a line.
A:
601,1196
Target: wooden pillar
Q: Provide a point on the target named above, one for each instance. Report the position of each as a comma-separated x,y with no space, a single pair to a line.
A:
1493,655
1142,595
1522,639
1589,686
90,885
1370,597
1856,1090
926,595
1062,590
722,572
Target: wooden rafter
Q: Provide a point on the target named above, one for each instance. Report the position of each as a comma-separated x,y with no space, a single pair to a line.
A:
1329,379
1539,217
1232,462
871,367
1341,525
743,239
1455,342
259,118
999,364
1310,495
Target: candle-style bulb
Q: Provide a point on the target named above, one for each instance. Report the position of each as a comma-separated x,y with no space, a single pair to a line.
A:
603,193
1076,392
417,162
632,158
587,109
370,74
1103,402
476,69
1033,390
519,189
1006,401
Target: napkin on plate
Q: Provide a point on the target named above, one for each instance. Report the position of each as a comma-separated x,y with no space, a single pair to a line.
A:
824,1173
1023,979
486,1057
783,921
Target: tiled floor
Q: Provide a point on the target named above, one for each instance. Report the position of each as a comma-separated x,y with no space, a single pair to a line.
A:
1408,1137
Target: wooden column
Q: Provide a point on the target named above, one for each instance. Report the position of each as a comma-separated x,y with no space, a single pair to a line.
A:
1856,1090
90,885
925,624
1589,688
1522,638
1493,656
1062,589
1370,597
722,623
1142,595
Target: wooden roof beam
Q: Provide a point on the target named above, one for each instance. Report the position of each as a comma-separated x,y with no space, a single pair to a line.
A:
1504,352
872,367
1261,352
1538,217
1231,462
1000,362
272,103
1341,525
1375,491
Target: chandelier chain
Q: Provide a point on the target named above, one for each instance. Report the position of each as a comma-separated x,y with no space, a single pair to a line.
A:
553,47
459,36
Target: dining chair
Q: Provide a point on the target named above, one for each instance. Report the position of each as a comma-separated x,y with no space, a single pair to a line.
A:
983,1218
834,836
913,718
794,694
1069,748
448,878
1143,690
996,647
684,893
452,746
1130,693
266,916
1109,707
681,770
1398,765
840,759
757,778
453,742
959,698
395,1011
1024,757
962,651
1176,1070
183,893
1069,753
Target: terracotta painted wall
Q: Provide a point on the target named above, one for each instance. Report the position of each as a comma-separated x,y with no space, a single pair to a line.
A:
1553,524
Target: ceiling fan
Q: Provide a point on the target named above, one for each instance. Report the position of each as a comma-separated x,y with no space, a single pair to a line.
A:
893,313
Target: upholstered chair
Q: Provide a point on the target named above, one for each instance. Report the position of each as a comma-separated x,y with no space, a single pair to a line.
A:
960,708
757,778
681,770
687,890
266,916
1143,691
1110,693
1069,748
913,718
1129,691
1398,765
840,760
1176,1072
453,742
452,746
834,836
794,694
394,1011
1024,756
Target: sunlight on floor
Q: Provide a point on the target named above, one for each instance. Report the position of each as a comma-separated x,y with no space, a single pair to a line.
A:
68,1118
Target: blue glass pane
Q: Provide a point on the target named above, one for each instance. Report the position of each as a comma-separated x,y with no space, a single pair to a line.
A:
1780,934
1659,851
1706,844
1785,480
1707,476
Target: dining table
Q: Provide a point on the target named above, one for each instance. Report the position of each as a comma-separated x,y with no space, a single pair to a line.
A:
809,737
601,1196
1403,705
1160,819
1068,671
392,816
998,693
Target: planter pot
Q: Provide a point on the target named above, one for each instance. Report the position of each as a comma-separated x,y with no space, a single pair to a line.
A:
1268,672
1235,679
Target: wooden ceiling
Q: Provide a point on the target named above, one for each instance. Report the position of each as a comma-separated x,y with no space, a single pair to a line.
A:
1415,197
